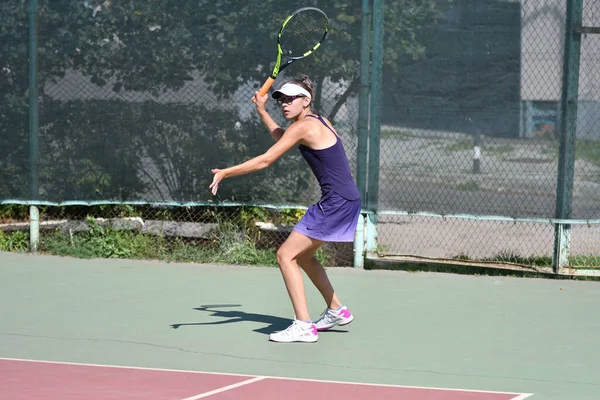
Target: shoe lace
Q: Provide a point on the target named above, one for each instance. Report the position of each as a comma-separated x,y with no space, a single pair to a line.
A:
327,315
293,328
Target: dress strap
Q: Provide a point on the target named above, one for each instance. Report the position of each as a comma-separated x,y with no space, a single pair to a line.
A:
322,121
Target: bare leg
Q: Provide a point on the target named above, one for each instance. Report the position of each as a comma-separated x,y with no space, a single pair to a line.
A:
287,256
318,276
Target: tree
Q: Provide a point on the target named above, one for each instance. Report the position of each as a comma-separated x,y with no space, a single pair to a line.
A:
154,47
13,101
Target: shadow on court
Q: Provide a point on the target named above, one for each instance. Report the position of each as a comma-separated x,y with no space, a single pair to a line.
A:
418,330
234,316
273,324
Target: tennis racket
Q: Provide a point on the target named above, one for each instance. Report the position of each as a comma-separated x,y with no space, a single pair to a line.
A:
301,33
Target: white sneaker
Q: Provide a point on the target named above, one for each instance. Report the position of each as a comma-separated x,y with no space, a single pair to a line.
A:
331,318
297,332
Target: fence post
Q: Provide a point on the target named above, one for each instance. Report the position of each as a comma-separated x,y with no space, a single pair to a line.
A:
568,131
363,102
375,125
33,125
363,127
359,243
34,228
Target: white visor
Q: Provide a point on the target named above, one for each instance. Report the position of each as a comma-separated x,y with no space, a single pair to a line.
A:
290,89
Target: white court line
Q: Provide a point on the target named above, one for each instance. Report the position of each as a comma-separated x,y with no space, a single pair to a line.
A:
523,396
225,388
520,396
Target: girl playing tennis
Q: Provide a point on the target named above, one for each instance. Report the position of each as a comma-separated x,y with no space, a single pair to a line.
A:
332,219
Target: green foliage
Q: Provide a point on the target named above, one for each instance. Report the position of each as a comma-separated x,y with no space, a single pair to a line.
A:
236,240
14,212
460,146
499,150
292,216
235,246
171,146
13,100
231,247
512,257
108,243
288,216
14,241
97,147
588,150
97,242
585,262
468,186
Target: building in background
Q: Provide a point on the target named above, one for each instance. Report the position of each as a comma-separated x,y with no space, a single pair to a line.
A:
495,67
542,49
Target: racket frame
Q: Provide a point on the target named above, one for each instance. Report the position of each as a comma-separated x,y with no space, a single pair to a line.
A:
282,61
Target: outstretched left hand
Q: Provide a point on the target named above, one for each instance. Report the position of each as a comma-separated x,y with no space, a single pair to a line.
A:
219,176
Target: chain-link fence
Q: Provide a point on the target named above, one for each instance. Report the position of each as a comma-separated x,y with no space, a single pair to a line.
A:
137,102
133,103
471,135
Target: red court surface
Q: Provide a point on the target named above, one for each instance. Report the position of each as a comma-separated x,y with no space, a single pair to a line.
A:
29,379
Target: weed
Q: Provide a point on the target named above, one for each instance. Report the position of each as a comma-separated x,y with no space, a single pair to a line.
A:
14,241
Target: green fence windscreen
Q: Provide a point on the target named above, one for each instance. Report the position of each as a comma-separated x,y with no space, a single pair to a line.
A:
139,100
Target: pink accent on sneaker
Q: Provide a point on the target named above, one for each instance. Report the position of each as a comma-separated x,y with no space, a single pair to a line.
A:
345,313
314,330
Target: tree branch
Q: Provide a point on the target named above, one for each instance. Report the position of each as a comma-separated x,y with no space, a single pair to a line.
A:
350,90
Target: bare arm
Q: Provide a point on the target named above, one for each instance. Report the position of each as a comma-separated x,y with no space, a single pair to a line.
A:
293,136
275,130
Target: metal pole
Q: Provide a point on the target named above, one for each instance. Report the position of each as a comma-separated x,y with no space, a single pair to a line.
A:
363,127
363,102
359,243
34,228
33,102
33,125
568,130
375,125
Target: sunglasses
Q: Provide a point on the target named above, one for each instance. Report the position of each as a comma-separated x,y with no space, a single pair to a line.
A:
288,99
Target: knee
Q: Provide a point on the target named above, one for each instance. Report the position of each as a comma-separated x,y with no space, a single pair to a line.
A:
283,256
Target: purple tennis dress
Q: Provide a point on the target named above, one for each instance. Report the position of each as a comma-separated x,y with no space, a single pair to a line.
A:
335,216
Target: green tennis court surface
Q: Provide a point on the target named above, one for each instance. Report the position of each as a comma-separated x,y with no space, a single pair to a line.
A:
147,329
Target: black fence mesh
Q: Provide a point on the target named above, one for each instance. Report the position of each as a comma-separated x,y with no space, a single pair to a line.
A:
139,100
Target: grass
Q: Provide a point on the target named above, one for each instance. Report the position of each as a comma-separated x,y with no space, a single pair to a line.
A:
589,151
231,245
465,145
129,245
460,146
469,186
236,240
399,133
231,248
575,261
513,258
14,241
234,247
585,262
500,150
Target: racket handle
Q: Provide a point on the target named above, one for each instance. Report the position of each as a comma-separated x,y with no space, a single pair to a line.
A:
265,88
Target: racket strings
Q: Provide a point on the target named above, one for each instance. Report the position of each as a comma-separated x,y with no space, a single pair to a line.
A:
302,33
